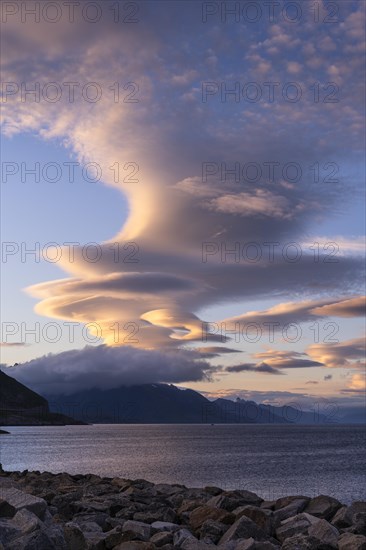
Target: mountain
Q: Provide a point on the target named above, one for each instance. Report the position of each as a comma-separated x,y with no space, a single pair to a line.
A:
286,413
20,406
144,404
248,412
160,404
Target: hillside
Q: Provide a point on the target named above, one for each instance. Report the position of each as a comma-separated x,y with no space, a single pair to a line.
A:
20,406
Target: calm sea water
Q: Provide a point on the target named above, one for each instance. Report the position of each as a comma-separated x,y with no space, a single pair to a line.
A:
272,461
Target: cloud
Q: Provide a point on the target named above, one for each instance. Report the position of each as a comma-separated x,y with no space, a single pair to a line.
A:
350,401
293,67
286,359
12,344
354,307
172,211
215,351
338,244
349,354
358,382
280,315
107,367
251,367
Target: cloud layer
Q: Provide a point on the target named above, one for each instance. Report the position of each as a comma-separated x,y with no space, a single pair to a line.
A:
192,234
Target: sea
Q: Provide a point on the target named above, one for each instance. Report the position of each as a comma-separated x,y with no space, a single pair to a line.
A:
271,460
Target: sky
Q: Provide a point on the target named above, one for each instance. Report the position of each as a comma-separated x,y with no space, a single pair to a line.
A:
183,197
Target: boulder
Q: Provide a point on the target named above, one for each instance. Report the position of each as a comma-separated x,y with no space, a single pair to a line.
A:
139,530
324,532
8,531
268,504
296,506
197,545
233,499
181,536
161,538
251,544
243,528
359,524
74,536
349,541
135,545
26,521
285,501
323,507
158,514
18,500
113,537
299,542
38,540
263,518
6,509
202,513
342,518
211,531
295,526
164,526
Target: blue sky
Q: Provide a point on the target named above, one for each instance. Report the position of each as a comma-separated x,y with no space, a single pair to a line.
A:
176,66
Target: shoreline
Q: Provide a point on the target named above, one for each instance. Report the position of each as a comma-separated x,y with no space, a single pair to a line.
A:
77,512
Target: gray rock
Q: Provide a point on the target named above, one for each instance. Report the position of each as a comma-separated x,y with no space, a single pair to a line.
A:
135,545
342,518
56,535
74,536
296,506
18,500
38,540
323,507
113,537
164,526
263,518
161,514
286,501
349,541
357,507
89,526
246,544
211,531
202,513
294,526
299,542
243,528
230,500
268,504
198,545
324,532
6,509
359,523
251,544
181,536
161,538
140,530
26,521
8,531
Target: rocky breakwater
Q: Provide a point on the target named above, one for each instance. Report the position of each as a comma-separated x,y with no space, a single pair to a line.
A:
44,511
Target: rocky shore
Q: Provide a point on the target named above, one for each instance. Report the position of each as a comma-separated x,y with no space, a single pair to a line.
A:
44,511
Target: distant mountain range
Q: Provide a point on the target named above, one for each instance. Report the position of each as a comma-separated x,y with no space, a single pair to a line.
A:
145,404
167,404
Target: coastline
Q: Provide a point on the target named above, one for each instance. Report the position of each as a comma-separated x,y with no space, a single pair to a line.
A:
63,511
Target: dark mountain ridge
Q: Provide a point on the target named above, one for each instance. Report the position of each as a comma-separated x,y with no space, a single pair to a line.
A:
21,406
